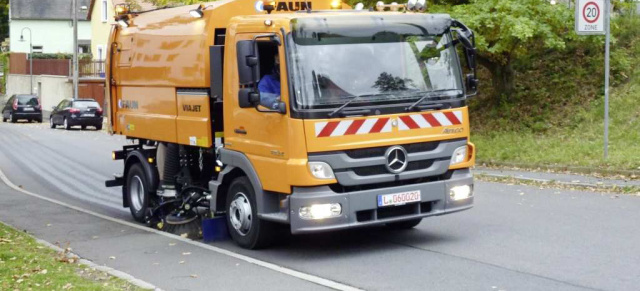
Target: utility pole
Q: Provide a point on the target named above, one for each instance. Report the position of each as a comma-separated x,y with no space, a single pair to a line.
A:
75,48
607,20
30,55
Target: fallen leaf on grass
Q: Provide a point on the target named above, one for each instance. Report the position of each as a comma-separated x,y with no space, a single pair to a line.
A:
43,272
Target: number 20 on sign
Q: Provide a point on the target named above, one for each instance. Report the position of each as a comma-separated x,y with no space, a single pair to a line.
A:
590,17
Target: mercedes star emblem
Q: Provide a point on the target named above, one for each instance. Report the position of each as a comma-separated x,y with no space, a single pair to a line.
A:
396,159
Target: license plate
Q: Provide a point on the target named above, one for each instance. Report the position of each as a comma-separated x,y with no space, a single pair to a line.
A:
398,198
88,115
27,109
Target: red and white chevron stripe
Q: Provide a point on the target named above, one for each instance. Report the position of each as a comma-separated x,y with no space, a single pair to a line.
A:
427,120
351,127
376,125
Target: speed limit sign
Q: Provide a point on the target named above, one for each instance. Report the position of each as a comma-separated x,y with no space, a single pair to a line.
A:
590,16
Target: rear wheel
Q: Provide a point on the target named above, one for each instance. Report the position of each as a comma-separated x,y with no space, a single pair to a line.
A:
99,127
407,224
83,127
66,124
137,190
39,120
246,229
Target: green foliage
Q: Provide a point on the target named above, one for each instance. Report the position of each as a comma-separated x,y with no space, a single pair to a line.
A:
60,56
4,62
4,19
160,3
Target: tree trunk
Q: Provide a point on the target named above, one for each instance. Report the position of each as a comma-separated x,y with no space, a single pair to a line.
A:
502,77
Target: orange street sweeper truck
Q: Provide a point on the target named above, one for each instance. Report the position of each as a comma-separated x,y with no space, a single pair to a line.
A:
309,116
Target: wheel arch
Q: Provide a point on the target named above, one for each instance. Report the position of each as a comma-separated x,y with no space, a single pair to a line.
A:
237,165
150,170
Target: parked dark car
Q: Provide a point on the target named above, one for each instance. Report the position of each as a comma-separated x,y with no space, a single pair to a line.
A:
22,107
79,112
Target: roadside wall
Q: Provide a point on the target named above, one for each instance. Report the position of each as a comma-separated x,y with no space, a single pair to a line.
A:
50,89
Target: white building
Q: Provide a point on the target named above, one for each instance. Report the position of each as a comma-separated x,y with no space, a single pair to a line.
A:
51,24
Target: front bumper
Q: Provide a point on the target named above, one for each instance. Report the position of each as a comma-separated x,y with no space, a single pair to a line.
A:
360,208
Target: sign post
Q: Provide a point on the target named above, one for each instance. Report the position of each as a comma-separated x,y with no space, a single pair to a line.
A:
593,17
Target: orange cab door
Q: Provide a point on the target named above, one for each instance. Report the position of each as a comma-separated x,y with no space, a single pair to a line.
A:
261,136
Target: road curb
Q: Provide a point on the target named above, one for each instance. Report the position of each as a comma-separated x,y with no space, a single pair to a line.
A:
608,186
574,169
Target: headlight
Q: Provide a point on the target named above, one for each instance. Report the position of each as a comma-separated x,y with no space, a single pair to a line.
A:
321,170
320,211
459,155
461,192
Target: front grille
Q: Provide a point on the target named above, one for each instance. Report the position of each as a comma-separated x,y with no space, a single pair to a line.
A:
381,170
380,151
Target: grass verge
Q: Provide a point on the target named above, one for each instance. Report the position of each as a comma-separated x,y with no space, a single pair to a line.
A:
27,265
579,144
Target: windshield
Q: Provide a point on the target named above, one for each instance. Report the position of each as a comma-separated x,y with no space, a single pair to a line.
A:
396,63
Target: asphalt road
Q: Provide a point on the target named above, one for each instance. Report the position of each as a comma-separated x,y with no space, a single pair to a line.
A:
515,238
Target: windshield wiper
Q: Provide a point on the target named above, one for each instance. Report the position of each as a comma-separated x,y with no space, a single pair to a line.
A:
353,99
438,93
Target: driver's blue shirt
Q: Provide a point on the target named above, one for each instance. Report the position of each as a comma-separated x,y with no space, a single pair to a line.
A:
269,87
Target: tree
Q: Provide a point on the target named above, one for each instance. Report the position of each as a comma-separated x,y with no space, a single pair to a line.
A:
511,30
4,19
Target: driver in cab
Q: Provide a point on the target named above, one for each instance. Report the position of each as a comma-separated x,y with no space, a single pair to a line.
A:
269,86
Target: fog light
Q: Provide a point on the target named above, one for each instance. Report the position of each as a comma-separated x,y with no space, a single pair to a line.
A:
461,192
459,155
321,211
321,170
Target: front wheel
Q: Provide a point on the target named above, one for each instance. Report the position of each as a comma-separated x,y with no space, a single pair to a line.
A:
137,190
12,119
246,229
407,224
51,124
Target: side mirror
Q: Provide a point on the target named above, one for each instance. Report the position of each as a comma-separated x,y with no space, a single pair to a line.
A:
53,108
248,62
472,83
248,98
282,108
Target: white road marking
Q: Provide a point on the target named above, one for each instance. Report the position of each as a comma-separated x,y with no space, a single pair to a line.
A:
293,273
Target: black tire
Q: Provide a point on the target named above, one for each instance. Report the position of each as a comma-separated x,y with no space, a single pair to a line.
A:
407,224
260,233
84,127
99,127
51,123
12,118
39,120
66,124
136,178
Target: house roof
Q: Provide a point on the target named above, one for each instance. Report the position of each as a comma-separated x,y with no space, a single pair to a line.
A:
144,6
46,10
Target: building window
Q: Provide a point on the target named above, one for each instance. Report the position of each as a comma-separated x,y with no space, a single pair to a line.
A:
100,52
104,11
